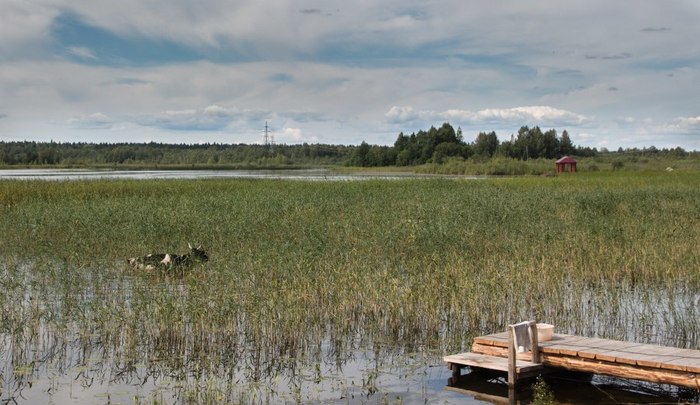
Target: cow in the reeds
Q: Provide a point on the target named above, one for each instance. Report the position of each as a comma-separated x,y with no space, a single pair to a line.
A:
168,261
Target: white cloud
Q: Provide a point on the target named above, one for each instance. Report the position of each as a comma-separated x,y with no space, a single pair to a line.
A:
209,119
406,114
393,24
295,136
522,115
293,133
23,27
684,125
689,122
81,52
96,120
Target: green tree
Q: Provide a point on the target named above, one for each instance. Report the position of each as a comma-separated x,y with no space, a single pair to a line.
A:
531,143
361,155
446,134
566,147
402,142
445,150
486,144
421,147
550,144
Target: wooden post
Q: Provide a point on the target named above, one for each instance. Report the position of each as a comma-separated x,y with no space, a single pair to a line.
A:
512,396
512,358
513,351
534,342
456,370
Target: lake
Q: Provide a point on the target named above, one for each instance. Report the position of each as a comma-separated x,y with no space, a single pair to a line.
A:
302,174
64,355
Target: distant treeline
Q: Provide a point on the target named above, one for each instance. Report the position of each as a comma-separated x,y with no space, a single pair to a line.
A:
73,154
435,145
438,144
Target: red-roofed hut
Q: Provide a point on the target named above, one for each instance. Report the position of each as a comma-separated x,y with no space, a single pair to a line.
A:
566,164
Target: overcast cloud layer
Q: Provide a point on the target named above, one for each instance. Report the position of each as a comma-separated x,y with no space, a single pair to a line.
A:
613,73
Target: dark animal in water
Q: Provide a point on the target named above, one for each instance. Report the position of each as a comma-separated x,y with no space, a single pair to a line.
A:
167,261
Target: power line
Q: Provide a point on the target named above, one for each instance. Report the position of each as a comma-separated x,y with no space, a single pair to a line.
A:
269,139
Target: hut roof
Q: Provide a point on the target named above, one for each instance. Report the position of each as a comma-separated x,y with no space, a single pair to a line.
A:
566,159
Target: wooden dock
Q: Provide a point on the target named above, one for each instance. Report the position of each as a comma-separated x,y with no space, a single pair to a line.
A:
646,362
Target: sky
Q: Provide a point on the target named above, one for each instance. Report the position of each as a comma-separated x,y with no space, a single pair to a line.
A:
613,73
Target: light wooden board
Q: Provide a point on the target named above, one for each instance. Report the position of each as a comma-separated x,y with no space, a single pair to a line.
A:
570,351
494,339
490,362
479,396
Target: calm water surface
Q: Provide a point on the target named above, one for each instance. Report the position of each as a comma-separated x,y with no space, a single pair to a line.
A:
306,174
62,344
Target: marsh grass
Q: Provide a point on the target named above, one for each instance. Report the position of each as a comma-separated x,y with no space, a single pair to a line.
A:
303,274
606,162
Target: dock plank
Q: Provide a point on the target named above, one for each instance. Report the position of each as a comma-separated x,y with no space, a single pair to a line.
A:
604,350
500,352
566,343
664,351
616,356
655,363
494,339
567,350
490,362
691,365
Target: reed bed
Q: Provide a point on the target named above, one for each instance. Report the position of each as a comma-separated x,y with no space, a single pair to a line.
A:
302,275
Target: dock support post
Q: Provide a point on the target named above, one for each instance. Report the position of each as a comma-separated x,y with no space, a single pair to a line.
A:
512,351
512,371
456,369
534,342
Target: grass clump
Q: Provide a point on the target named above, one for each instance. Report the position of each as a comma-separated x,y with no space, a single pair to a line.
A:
541,393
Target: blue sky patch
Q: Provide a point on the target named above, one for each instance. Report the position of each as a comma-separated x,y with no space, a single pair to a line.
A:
281,78
81,42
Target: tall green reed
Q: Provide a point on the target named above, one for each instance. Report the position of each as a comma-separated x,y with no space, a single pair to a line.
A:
409,265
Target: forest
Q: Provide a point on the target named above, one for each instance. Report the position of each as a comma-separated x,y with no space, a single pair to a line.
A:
432,146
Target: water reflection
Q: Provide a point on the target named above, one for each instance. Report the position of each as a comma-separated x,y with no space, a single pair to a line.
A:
83,370
569,388
85,336
79,343
303,174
